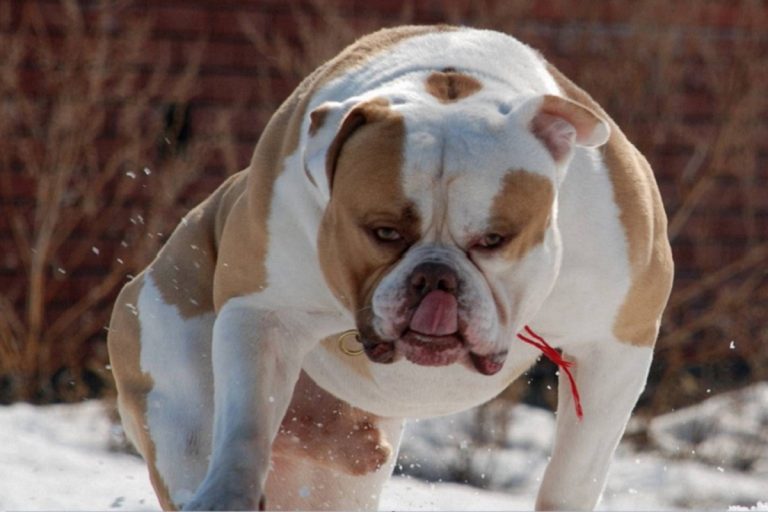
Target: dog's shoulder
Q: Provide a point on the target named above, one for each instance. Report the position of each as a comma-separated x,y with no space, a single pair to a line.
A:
183,269
642,216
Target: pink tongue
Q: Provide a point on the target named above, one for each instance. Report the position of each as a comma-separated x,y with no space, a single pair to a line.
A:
437,315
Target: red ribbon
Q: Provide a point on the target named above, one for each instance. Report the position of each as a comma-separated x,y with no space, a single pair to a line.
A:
555,356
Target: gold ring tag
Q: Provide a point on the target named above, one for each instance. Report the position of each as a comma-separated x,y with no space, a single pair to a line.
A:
344,348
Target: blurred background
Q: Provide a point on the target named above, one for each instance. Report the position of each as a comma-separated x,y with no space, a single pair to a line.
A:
117,116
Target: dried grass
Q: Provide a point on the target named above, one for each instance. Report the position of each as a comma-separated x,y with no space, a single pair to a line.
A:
87,129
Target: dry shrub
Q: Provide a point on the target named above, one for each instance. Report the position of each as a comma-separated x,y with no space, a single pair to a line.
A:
93,162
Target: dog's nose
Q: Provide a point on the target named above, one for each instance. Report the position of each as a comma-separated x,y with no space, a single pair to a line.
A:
431,276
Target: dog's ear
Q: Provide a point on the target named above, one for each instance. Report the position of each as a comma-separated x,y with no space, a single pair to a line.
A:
560,124
330,126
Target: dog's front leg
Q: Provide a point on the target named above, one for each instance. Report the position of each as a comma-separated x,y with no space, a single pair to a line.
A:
610,377
256,363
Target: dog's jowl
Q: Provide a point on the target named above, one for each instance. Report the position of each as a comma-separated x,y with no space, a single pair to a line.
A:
416,203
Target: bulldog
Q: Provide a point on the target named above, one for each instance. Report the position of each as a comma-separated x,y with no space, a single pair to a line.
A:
417,202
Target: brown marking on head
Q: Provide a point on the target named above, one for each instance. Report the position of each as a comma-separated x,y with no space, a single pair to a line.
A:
521,212
367,193
369,112
449,85
245,239
642,215
330,432
133,385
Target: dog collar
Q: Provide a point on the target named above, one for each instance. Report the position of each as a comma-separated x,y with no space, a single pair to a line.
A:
343,346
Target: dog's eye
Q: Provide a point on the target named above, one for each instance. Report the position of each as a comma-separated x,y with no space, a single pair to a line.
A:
491,241
386,234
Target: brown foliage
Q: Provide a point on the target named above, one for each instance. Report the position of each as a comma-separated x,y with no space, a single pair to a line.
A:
98,141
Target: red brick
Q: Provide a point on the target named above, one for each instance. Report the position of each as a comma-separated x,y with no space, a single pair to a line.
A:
21,185
273,21
186,18
246,123
240,57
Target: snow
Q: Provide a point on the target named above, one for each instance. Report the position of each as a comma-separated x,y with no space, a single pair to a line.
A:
713,455
688,469
730,430
57,457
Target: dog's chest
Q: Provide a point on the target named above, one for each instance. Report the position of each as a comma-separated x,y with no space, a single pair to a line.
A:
403,389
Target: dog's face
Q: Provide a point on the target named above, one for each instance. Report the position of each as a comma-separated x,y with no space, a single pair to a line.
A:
440,233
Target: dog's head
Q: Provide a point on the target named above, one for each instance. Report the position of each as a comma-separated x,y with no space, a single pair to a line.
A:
440,232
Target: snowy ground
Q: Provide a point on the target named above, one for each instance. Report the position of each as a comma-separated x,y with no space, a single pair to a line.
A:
712,456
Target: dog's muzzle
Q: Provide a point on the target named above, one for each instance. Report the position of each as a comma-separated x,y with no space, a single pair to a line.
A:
432,334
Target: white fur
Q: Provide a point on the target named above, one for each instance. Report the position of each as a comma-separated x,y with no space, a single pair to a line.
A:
610,376
176,353
594,277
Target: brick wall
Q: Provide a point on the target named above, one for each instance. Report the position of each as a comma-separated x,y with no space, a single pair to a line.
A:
680,78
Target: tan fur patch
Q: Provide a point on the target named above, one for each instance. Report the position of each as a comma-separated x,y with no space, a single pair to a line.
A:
367,193
449,86
645,225
522,211
246,238
371,111
184,267
133,385
329,431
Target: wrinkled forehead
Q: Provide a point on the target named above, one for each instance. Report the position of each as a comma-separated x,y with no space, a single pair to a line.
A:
458,157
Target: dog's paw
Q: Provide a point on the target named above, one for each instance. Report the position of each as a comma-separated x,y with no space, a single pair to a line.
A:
225,502
226,496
